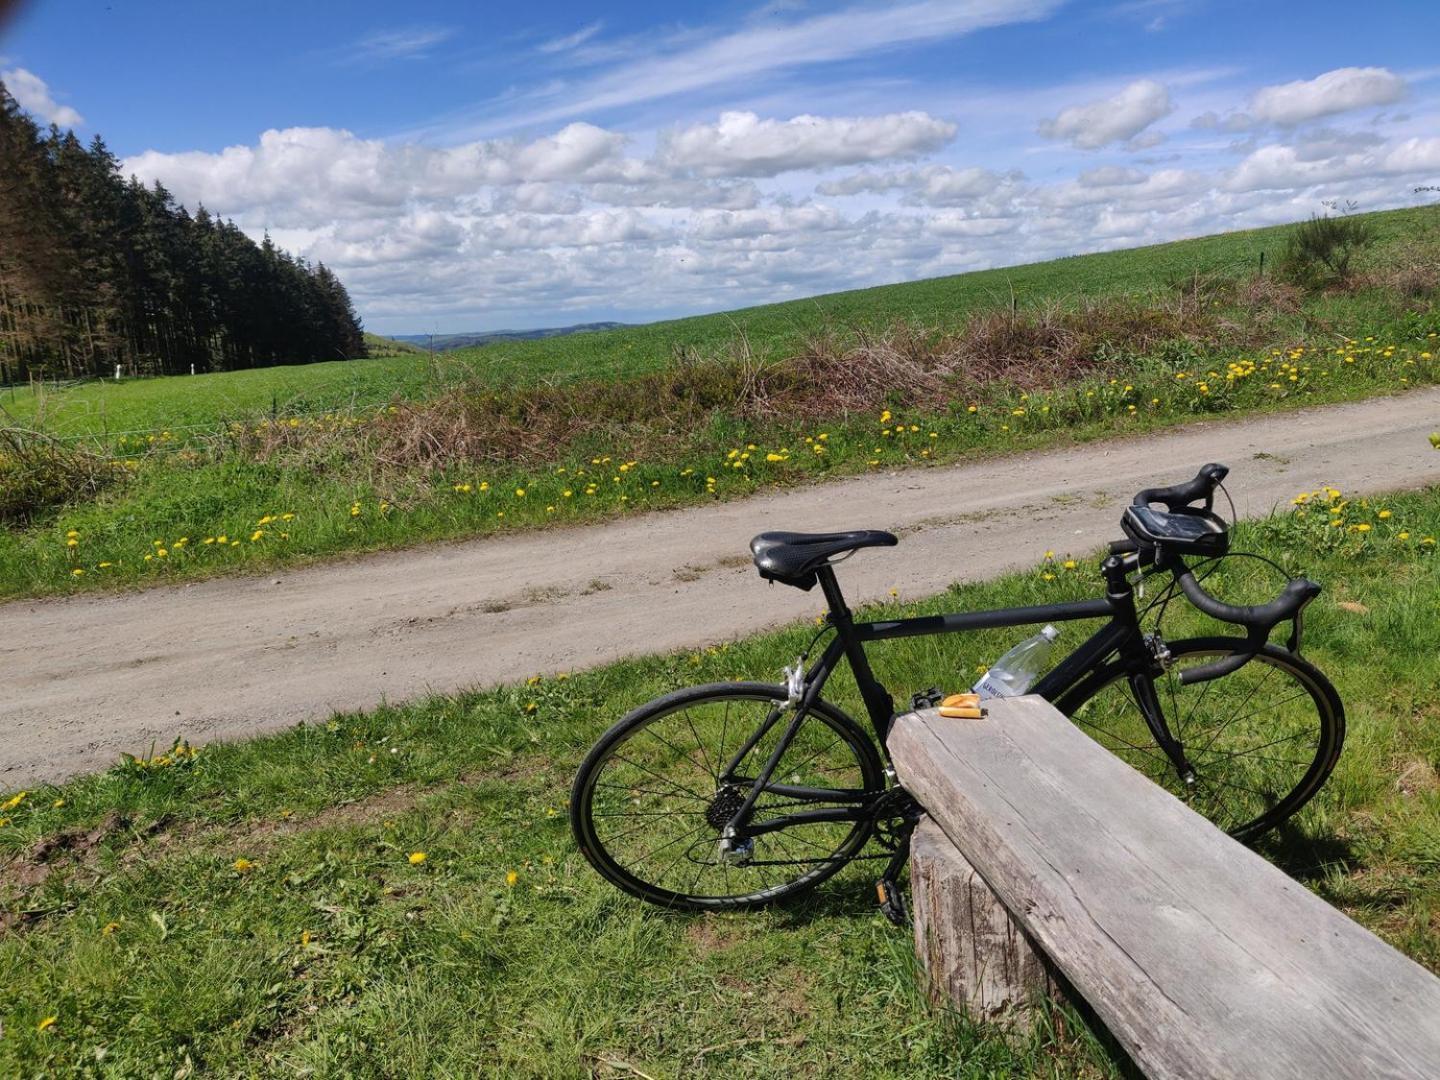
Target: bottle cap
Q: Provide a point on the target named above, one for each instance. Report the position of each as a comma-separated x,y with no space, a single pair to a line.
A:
1049,633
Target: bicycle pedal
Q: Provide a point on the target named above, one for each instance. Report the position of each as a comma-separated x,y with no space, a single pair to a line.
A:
926,699
892,902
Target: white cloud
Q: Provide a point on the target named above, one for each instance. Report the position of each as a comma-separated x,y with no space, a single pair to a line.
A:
333,170
584,222
1326,95
761,48
742,144
1111,120
571,41
1109,176
1285,167
932,185
34,97
1213,121
404,43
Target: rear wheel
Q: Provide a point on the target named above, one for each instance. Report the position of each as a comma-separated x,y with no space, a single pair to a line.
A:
650,800
1262,740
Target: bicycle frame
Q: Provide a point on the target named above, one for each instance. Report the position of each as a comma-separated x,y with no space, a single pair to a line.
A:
1120,635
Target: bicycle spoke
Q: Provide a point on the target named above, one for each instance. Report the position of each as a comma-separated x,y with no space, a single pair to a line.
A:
1247,734
680,858
676,794
679,788
680,754
672,843
699,745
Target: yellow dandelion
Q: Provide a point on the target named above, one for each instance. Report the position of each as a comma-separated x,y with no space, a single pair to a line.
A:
242,865
511,877
46,1024
417,857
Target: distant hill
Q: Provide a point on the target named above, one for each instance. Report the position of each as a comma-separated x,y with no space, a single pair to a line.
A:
377,345
445,342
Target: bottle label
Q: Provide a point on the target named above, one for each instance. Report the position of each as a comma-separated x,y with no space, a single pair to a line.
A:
992,686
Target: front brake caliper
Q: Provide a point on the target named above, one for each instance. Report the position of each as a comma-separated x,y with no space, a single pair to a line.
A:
1160,651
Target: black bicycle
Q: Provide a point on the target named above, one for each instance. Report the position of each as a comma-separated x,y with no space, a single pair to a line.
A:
732,795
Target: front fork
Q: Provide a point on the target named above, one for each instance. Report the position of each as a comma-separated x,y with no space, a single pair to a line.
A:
1142,685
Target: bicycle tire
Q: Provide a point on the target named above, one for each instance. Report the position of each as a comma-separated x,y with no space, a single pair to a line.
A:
1243,799
659,790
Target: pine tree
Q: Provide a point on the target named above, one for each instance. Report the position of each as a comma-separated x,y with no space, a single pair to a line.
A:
97,271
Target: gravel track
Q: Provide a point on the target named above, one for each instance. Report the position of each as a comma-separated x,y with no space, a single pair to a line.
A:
84,678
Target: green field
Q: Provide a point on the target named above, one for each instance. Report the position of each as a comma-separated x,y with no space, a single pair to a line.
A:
190,477
254,910
772,331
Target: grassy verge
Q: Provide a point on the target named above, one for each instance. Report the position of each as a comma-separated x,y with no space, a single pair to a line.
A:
256,908
298,490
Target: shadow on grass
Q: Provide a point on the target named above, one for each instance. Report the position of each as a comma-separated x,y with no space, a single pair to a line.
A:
1308,857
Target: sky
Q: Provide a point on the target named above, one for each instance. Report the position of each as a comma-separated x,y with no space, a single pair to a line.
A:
469,166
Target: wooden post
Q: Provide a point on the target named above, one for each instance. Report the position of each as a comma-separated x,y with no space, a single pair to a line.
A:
975,957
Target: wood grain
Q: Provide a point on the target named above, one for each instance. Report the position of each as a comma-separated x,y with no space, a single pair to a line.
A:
1201,958
976,957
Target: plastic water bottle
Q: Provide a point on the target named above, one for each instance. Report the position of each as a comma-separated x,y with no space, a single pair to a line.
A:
1014,672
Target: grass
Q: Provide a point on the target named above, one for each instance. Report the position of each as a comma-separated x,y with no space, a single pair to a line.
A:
411,450
129,918
773,331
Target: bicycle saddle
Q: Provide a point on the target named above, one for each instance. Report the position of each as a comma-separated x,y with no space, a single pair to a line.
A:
792,558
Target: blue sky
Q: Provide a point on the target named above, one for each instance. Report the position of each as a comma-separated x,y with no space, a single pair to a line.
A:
472,166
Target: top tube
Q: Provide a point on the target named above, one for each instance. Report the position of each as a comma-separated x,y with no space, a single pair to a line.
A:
924,625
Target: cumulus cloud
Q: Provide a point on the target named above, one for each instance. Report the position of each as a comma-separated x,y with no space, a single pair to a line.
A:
742,144
1282,167
579,223
932,185
1334,92
1213,121
34,97
1111,120
334,170
1109,176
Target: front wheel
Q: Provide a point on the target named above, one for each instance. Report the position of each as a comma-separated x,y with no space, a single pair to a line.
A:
1261,740
651,799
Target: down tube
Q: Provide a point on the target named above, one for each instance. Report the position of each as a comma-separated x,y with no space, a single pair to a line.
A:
1083,660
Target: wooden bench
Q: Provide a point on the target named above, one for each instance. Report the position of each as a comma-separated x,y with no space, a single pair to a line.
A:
1201,958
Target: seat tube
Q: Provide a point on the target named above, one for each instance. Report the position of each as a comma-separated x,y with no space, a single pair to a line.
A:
878,702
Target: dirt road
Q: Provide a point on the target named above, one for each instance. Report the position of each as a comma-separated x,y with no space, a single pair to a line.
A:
82,679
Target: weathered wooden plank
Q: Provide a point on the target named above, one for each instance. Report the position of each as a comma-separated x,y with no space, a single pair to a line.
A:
974,954
1201,958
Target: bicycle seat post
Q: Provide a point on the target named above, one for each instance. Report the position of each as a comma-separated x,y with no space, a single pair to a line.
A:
830,586
878,702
